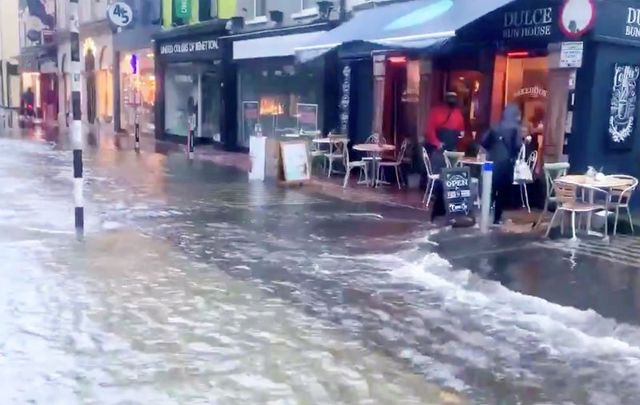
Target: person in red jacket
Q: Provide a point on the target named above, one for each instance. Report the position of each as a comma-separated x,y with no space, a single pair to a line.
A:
445,124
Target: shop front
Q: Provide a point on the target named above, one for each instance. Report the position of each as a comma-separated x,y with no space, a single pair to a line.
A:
275,95
134,77
189,77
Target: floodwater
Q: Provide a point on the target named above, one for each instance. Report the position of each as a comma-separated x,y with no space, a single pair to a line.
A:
193,286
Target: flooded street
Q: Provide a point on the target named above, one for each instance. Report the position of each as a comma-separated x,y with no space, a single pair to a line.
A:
194,286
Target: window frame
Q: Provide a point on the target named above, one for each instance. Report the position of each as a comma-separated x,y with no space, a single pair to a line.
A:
303,8
255,8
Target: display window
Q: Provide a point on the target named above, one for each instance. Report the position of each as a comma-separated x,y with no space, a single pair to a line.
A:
181,97
137,90
277,99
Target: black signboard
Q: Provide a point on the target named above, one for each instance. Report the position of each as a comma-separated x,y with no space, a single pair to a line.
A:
191,48
457,191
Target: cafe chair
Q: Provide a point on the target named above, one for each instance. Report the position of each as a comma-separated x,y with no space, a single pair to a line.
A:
431,177
396,164
552,171
353,164
620,198
318,152
566,199
453,159
532,161
336,153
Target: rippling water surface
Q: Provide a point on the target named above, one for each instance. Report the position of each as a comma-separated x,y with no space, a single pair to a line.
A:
193,286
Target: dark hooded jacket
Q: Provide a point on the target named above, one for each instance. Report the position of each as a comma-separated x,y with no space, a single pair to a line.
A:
503,143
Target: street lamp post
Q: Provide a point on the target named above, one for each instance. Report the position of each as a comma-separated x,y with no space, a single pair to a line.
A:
76,126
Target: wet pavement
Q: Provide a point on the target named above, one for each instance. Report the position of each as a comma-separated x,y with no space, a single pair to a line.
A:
194,286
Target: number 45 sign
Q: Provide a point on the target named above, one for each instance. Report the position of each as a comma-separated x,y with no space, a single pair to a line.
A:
120,14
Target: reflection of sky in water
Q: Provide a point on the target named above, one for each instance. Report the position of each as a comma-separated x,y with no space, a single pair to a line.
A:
421,15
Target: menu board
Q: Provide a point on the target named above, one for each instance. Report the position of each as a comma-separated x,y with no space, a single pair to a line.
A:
295,161
457,191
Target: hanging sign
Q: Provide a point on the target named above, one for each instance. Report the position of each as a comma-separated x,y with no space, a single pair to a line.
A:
182,9
571,54
120,14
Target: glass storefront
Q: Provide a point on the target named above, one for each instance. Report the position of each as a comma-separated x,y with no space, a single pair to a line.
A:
279,98
192,88
181,97
137,88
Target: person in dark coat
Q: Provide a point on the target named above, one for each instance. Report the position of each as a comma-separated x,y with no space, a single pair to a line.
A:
503,143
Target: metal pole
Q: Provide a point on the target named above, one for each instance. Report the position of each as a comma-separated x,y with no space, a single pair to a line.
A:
136,116
190,140
485,203
76,127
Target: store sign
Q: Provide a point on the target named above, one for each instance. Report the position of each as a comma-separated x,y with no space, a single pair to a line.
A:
190,49
534,92
182,8
633,23
120,14
528,23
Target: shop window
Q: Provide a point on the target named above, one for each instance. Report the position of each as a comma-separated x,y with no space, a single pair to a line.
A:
279,99
137,90
309,4
181,96
468,84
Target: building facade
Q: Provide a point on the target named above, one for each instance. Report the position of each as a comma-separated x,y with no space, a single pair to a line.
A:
38,57
9,51
134,78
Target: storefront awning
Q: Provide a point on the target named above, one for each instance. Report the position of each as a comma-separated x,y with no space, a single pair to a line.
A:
274,46
415,24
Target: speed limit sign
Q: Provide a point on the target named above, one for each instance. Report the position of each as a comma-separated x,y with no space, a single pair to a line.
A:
120,14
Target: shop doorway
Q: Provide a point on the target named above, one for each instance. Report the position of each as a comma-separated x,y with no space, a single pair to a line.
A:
527,85
401,100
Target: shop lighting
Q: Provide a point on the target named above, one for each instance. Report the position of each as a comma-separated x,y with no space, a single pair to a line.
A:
518,54
397,59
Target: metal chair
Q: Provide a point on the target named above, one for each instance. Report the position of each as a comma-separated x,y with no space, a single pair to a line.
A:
532,161
353,164
431,177
395,164
453,159
622,197
336,153
552,171
565,194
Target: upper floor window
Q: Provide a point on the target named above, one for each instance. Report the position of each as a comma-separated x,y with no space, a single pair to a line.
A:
307,4
260,8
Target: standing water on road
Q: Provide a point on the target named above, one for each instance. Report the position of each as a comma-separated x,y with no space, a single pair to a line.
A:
193,286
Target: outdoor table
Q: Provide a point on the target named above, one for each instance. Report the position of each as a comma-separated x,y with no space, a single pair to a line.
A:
375,150
606,183
476,162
